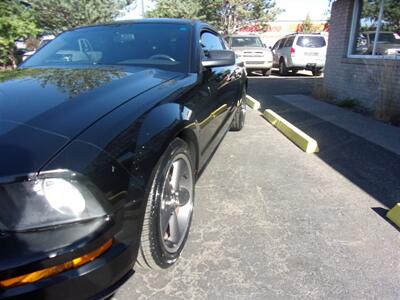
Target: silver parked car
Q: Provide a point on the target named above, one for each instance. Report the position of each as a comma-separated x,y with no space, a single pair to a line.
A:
252,52
300,51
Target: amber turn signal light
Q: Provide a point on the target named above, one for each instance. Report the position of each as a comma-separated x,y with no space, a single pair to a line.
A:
48,272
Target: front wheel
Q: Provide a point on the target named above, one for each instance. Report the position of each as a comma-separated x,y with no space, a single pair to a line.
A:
240,114
267,72
317,72
169,208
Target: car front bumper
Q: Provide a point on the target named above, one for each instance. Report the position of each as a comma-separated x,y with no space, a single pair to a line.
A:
99,278
258,64
95,280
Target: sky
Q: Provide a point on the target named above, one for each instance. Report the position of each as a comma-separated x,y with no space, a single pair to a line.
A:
298,9
295,10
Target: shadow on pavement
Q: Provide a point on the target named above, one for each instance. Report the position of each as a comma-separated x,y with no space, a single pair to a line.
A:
371,167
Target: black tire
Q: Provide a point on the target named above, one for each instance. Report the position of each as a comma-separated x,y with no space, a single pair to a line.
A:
240,114
153,254
266,72
283,70
317,72
294,71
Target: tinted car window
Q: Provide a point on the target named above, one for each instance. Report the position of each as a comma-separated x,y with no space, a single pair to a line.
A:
211,41
289,42
246,41
311,41
276,45
157,45
282,43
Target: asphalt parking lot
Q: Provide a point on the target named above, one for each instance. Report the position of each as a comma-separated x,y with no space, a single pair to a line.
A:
272,222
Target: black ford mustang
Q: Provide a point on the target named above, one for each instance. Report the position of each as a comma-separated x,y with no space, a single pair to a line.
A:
103,133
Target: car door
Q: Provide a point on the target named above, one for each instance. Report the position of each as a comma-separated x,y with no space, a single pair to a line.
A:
223,86
275,54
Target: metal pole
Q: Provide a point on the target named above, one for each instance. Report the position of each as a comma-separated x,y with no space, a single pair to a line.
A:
142,3
378,30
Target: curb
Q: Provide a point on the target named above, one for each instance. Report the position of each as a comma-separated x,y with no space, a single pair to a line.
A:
301,139
394,214
253,103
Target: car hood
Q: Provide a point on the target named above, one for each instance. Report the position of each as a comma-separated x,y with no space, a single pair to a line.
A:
41,110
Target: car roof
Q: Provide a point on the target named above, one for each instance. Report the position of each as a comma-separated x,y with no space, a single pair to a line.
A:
190,22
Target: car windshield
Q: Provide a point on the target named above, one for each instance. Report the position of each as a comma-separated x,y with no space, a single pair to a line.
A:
164,46
311,41
246,41
385,38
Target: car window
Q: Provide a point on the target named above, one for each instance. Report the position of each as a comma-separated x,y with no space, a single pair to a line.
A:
283,41
246,41
276,45
159,45
210,41
311,41
289,42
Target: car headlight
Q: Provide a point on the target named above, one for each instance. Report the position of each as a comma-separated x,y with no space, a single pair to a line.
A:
55,198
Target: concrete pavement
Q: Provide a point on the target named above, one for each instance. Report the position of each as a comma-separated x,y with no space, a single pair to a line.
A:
272,222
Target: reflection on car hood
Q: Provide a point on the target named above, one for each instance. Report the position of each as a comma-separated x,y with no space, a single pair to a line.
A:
66,101
41,110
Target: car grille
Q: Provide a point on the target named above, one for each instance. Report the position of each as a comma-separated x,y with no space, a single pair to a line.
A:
254,62
253,54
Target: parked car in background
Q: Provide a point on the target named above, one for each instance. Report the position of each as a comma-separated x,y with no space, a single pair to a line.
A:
103,134
387,43
252,52
43,41
300,51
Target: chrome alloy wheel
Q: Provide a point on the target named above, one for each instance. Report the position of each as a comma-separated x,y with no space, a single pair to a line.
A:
176,203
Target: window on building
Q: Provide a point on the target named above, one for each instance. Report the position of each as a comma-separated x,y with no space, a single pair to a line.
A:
376,29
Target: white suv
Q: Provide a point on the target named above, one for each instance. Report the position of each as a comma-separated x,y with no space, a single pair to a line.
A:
300,51
252,52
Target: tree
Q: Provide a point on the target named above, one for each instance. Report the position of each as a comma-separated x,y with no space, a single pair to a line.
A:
175,9
55,16
16,22
391,15
307,26
239,13
228,16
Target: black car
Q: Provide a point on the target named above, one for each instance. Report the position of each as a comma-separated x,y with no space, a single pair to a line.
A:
103,134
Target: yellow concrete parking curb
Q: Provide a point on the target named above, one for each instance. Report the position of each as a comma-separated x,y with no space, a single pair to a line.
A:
394,214
253,103
301,139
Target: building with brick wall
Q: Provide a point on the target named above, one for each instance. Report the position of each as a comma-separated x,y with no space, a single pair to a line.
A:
363,56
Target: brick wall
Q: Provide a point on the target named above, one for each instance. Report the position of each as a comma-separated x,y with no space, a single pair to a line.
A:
363,79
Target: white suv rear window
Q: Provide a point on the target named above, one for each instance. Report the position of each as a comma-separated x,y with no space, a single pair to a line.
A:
311,41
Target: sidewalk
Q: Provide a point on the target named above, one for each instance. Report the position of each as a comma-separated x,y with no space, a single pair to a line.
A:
376,132
363,150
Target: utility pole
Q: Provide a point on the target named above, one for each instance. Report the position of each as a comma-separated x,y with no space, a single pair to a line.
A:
142,3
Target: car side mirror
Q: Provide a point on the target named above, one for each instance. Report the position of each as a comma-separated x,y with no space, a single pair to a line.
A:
218,58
